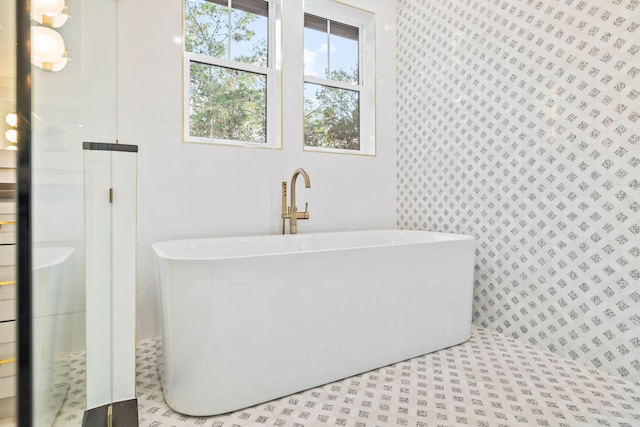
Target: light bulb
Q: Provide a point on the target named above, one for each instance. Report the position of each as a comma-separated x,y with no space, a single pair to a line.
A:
11,135
11,119
13,146
47,7
48,50
49,12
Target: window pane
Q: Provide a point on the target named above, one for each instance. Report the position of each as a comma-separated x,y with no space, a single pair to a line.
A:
206,28
344,52
227,104
316,47
331,117
249,31
330,49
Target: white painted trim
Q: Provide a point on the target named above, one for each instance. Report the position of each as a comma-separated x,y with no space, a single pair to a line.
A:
365,21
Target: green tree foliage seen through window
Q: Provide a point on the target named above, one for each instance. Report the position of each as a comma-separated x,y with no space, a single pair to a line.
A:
226,103
332,115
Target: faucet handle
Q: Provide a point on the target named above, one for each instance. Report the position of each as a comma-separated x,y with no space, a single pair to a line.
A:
284,197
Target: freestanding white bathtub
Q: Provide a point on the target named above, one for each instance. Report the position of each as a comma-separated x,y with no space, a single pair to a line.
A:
249,319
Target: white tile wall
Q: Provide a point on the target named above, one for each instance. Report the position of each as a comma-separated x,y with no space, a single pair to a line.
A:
518,124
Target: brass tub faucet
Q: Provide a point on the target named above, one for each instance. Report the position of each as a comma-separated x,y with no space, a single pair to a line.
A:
291,212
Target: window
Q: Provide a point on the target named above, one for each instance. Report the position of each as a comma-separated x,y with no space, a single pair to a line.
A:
339,80
230,78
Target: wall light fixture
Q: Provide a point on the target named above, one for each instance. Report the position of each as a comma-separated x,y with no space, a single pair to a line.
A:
49,12
47,46
48,50
12,134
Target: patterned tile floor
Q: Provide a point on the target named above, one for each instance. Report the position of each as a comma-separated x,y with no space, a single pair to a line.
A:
491,380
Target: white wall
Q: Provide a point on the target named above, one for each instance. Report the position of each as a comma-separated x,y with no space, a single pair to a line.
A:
194,190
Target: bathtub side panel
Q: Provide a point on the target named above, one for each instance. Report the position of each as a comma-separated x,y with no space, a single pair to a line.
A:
243,331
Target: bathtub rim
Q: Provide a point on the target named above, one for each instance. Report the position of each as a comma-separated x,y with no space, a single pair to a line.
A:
49,256
160,248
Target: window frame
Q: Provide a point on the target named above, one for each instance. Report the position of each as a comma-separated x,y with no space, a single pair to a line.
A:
272,72
364,20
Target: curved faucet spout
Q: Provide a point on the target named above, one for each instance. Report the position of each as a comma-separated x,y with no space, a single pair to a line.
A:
307,184
291,212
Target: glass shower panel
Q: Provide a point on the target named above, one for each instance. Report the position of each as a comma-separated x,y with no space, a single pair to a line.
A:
74,100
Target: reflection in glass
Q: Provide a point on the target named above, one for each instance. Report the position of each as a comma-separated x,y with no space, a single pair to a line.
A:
331,117
52,292
227,104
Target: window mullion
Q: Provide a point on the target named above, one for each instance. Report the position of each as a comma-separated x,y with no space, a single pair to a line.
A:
236,65
229,12
333,83
328,49
361,59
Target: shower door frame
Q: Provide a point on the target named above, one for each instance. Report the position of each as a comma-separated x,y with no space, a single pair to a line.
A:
24,410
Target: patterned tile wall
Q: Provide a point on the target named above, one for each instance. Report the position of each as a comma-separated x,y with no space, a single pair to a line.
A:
519,123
